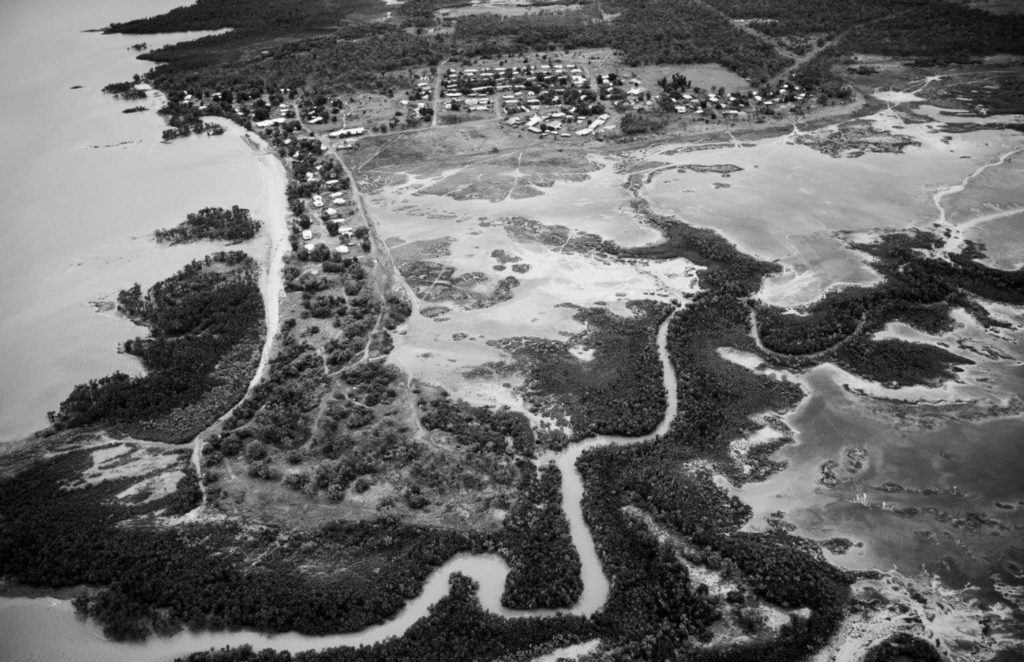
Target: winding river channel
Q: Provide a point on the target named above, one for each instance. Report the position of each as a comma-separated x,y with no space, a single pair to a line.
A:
35,629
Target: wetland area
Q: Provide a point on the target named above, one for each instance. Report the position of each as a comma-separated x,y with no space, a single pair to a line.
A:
711,390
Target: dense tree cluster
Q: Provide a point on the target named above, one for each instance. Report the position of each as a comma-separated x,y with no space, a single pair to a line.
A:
455,630
918,290
198,575
940,29
544,31
933,32
418,13
544,566
674,31
216,223
618,389
126,90
249,17
484,429
205,326
647,32
817,17
633,123
903,647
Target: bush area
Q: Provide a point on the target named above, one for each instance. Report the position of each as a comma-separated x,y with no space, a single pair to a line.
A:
619,390
202,575
647,32
817,17
918,290
716,401
674,31
214,223
903,647
940,29
544,566
456,630
933,32
206,325
483,429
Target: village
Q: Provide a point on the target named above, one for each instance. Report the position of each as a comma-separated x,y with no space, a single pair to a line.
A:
579,97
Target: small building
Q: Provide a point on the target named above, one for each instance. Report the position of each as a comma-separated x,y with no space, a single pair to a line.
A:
354,131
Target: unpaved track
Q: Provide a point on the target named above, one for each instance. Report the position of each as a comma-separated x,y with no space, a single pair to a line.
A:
275,181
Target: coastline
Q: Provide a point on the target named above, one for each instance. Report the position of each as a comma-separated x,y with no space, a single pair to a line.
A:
271,247
85,187
42,624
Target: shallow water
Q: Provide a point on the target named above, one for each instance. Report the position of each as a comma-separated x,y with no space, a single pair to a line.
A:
83,187
438,350
789,200
935,462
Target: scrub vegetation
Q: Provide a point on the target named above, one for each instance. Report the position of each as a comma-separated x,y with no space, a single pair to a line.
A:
206,329
213,223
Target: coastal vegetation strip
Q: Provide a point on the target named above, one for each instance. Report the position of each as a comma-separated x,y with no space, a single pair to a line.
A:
206,331
213,223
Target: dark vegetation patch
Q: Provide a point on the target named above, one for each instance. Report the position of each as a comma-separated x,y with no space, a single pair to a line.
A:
214,223
499,431
646,32
159,578
565,239
934,33
504,257
126,90
456,629
544,566
854,140
435,282
619,391
206,328
903,647
716,402
918,290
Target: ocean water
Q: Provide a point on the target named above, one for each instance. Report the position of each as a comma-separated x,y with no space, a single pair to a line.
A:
82,188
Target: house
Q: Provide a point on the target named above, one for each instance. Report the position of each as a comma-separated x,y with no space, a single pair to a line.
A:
268,123
307,235
354,131
347,235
